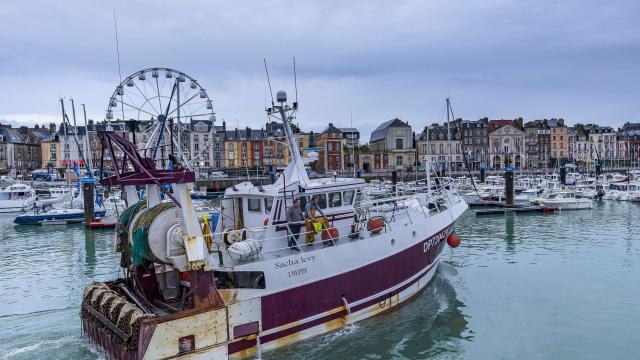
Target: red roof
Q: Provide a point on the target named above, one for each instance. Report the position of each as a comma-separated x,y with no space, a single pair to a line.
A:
497,124
500,123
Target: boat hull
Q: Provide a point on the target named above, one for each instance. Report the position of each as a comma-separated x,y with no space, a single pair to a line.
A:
42,218
337,315
247,326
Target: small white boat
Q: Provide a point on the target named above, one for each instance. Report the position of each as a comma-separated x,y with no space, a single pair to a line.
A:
17,198
526,197
566,200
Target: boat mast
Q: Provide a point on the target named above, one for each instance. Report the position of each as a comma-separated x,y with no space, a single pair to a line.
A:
86,142
66,142
281,97
448,141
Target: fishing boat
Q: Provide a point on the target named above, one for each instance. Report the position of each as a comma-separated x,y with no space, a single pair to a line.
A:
237,286
17,198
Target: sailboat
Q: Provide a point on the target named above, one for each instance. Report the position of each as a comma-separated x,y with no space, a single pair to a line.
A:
67,208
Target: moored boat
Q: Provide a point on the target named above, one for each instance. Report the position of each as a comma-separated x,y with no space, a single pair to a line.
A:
566,200
240,285
45,215
17,198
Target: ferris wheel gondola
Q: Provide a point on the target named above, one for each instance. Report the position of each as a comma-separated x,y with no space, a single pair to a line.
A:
163,106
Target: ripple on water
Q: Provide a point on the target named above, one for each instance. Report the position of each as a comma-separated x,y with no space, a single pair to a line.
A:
546,285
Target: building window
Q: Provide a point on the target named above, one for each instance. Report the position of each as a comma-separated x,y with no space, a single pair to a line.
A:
399,143
399,160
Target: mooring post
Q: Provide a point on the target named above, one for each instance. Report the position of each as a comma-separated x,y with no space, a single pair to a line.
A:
563,175
508,186
482,174
394,180
87,193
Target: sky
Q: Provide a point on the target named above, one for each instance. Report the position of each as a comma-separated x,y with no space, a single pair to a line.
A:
368,61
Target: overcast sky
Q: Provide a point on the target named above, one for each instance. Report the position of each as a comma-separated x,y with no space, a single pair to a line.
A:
374,59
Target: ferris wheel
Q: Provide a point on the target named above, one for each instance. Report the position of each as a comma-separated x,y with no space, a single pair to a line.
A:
163,101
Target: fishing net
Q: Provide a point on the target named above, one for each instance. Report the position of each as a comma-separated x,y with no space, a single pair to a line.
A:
140,251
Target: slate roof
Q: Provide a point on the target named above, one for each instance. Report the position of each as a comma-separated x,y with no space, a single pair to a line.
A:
10,135
331,129
380,132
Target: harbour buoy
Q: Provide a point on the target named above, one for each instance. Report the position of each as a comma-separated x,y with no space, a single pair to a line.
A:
453,240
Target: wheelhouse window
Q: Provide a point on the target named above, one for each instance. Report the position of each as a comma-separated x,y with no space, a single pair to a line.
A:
348,197
268,204
335,199
303,202
253,205
322,200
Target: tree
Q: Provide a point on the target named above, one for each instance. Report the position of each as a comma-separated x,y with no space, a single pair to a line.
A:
519,122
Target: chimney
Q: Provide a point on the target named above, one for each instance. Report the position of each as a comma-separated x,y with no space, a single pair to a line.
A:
52,128
224,125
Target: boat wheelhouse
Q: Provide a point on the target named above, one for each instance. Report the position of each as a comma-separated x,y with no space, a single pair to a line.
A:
17,198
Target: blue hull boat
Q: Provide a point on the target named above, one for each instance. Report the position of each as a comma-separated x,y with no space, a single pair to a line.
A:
55,215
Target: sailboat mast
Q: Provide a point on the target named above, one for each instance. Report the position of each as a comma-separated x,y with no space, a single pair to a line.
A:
86,141
66,142
448,141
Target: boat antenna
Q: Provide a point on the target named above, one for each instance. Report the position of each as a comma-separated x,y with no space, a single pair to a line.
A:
266,70
295,83
115,27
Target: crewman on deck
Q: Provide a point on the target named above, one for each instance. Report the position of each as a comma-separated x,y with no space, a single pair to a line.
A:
310,212
295,219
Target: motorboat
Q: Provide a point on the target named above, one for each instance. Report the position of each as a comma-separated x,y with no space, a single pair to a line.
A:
17,198
566,200
49,213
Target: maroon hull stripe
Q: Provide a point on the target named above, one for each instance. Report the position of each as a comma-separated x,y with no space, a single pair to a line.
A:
431,255
315,298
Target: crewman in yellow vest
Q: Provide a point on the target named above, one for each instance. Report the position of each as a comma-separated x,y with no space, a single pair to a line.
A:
310,213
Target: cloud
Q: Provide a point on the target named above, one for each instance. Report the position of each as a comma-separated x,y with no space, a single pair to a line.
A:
372,59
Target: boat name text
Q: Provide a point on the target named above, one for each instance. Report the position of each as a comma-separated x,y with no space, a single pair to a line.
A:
435,240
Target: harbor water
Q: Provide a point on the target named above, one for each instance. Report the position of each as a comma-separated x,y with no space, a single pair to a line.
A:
534,286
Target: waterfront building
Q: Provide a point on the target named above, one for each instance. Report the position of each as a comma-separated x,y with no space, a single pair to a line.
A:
18,155
442,147
559,143
275,151
392,146
602,140
206,143
538,143
475,141
338,148
507,144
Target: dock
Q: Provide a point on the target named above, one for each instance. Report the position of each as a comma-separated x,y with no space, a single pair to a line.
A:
515,209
